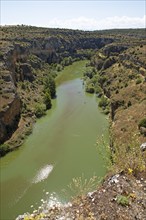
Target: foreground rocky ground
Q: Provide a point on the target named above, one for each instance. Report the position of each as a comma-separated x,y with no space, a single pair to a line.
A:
120,197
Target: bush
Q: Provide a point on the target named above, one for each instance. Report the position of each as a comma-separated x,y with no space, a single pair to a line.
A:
4,148
49,85
103,103
59,67
102,80
142,123
40,110
98,90
122,200
129,103
90,88
47,100
138,81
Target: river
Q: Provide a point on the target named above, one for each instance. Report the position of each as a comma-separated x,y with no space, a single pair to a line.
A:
62,146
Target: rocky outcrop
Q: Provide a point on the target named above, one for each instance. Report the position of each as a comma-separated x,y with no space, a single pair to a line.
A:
9,118
115,104
26,72
113,49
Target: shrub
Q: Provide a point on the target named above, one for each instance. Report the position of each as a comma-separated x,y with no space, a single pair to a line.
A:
40,110
59,67
47,100
102,80
142,123
138,81
4,148
49,84
122,200
129,103
103,103
90,88
98,90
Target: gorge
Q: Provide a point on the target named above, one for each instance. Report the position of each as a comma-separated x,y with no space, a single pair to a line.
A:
112,65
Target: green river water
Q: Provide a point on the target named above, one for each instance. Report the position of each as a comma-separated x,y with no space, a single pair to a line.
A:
62,146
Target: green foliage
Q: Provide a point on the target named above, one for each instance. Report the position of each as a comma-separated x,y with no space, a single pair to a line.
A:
67,61
4,148
138,81
123,200
90,72
59,67
34,61
98,90
47,100
90,88
142,123
49,86
40,110
102,80
104,102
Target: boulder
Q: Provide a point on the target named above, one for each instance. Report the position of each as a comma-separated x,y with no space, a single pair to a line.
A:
143,146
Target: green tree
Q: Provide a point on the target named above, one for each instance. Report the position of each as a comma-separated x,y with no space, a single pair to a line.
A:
40,110
49,86
103,103
47,100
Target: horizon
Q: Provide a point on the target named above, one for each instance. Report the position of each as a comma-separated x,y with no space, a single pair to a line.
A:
23,25
76,15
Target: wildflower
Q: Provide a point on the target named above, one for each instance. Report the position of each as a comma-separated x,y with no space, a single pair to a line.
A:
130,170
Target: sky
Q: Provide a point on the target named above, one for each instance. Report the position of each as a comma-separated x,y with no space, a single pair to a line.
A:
77,14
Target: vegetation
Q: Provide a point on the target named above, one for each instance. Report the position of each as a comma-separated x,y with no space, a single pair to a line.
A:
49,86
122,200
40,110
103,103
4,149
142,123
81,186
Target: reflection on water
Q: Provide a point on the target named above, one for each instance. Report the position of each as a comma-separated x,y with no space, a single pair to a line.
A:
43,173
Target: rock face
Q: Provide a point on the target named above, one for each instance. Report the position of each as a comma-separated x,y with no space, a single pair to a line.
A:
143,147
26,72
9,119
